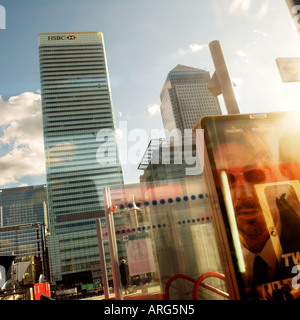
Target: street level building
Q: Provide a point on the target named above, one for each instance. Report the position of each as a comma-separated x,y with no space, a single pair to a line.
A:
23,225
80,148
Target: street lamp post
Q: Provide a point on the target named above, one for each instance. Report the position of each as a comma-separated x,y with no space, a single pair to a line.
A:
222,80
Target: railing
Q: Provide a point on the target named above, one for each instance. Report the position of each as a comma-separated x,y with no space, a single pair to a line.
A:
175,277
197,283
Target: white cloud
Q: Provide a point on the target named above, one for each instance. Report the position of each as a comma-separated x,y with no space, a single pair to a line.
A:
153,109
19,107
21,121
192,48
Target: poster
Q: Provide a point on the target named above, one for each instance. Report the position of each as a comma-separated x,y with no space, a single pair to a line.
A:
140,256
254,167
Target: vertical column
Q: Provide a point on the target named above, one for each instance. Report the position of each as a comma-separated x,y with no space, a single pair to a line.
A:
45,216
102,259
1,216
113,250
224,77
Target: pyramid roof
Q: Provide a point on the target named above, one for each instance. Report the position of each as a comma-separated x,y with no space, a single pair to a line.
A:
182,68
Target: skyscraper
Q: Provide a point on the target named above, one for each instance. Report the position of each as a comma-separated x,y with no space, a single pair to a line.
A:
76,104
185,98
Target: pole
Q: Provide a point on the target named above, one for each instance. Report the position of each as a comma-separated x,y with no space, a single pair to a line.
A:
1,216
224,77
102,259
112,241
133,215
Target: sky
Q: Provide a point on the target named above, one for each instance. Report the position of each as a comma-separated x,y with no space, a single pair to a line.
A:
144,40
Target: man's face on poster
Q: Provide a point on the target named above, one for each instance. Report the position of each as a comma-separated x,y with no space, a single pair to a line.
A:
243,172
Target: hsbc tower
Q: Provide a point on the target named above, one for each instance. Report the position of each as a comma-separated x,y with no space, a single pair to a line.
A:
76,104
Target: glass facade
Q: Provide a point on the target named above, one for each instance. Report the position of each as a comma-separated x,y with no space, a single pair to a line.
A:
24,223
178,167
22,240
185,98
23,205
170,233
80,147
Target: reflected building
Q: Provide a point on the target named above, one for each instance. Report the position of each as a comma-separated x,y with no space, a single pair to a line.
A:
80,148
185,98
172,234
166,161
183,234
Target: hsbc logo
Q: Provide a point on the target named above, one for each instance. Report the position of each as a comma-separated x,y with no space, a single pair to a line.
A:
70,37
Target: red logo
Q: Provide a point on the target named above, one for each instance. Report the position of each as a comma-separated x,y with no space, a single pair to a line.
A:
71,37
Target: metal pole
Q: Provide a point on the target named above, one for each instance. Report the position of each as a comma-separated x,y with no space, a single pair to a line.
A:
102,259
133,215
1,216
113,250
224,77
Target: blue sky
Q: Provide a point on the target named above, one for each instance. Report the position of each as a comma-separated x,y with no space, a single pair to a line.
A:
144,40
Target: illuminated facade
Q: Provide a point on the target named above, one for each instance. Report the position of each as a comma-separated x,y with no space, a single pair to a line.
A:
185,98
76,104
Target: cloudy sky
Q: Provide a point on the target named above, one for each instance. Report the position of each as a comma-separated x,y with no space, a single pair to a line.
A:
144,40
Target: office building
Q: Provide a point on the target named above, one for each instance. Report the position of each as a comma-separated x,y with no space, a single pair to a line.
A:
77,106
185,98
23,224
23,205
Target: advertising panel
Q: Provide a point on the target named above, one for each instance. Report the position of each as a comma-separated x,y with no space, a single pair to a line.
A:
140,256
252,168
